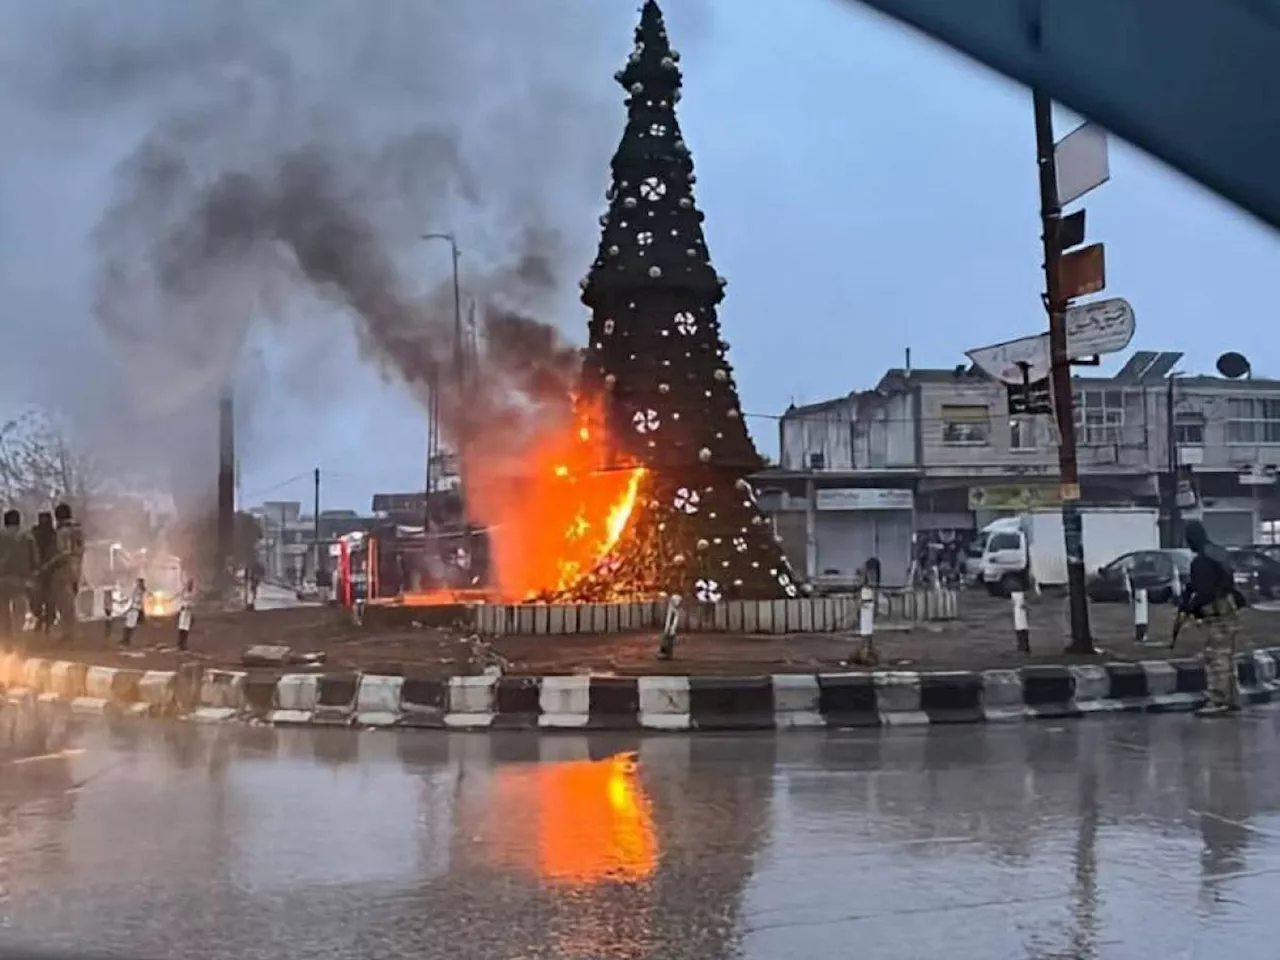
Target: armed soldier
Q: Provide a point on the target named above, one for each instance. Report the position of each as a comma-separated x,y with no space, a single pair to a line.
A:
16,569
64,585
1212,598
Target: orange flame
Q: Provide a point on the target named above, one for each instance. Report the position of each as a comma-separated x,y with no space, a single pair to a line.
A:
552,513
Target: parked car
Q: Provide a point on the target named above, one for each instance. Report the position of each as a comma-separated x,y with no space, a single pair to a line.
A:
1257,574
1152,570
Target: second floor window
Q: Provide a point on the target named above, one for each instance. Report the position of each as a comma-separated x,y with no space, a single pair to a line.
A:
1022,433
1188,428
966,425
1253,420
1100,417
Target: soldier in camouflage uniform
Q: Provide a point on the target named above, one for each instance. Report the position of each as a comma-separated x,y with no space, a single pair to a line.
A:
1211,597
15,574
67,569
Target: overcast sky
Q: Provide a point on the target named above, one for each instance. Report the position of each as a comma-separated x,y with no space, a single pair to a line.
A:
865,191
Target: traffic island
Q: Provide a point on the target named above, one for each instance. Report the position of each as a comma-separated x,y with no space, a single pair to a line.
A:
417,675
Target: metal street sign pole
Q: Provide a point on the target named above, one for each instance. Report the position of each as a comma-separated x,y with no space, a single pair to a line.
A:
1060,376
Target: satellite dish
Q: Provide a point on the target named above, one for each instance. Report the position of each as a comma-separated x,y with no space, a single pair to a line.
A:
1233,365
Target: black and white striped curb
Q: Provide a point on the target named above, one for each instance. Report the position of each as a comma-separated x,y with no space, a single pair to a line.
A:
778,702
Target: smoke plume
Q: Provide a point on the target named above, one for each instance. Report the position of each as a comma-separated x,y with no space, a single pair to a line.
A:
265,179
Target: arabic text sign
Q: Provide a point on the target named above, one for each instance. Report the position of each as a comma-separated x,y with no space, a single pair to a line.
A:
1093,328
1015,362
1096,328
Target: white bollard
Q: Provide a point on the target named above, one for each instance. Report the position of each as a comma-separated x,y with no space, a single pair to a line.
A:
1140,614
867,613
1020,629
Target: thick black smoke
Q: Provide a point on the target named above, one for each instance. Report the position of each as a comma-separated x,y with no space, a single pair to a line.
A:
267,178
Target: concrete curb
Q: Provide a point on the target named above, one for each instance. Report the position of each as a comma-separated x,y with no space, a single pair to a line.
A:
668,703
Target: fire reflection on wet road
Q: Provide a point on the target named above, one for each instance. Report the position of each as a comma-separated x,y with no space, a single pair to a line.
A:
1131,837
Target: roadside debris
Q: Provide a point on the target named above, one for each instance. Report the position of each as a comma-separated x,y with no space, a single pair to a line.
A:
269,655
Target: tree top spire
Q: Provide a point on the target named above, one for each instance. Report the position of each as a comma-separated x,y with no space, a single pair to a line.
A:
652,62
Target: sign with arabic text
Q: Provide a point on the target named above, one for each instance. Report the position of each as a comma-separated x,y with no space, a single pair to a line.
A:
1011,497
1105,326
864,498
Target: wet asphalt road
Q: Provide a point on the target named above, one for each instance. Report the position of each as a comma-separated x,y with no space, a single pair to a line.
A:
1123,838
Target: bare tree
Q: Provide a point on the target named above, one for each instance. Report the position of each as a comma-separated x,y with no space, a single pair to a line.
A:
40,467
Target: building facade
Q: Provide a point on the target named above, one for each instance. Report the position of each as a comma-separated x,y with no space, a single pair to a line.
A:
930,456
289,549
844,487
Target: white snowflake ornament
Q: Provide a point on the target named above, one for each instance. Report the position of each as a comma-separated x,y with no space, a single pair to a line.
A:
686,500
686,324
646,421
608,327
707,591
651,189
740,544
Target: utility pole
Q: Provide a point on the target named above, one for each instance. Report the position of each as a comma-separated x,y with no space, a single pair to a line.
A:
315,535
226,496
433,428
280,552
460,368
1060,376
1171,441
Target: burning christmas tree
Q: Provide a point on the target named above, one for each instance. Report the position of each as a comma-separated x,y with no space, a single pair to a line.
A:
656,381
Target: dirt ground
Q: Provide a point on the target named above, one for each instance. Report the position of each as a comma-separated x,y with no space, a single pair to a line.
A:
219,640
982,639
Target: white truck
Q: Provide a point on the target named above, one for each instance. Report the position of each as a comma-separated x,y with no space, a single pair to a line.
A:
1015,552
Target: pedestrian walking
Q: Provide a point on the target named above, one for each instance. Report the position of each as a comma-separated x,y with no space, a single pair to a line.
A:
44,540
15,574
135,614
185,603
253,575
68,567
1211,598
108,610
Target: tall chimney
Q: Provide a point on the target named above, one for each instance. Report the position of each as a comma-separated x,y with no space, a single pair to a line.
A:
226,481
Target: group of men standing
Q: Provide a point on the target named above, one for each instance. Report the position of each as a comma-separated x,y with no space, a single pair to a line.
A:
40,571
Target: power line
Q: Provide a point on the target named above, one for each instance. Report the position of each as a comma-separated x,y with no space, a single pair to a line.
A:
272,489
